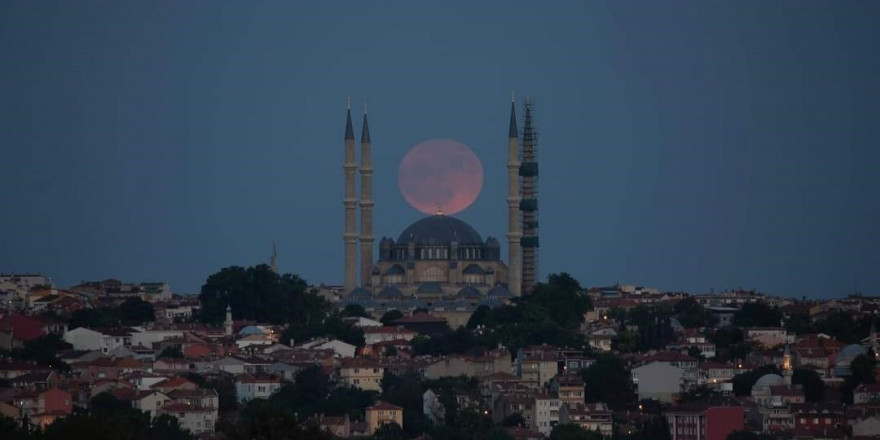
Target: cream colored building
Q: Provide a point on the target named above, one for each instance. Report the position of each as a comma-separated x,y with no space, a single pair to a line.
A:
362,373
383,413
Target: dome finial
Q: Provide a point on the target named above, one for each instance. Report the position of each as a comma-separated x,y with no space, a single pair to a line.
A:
439,209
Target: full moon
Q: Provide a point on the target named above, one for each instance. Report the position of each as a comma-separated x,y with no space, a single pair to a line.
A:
440,175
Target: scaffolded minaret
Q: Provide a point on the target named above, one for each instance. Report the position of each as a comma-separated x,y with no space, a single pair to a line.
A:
528,170
350,201
366,204
514,231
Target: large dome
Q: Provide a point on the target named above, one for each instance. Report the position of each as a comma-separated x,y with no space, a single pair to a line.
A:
768,380
440,230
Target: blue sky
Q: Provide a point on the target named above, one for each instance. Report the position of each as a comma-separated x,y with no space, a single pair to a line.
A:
683,145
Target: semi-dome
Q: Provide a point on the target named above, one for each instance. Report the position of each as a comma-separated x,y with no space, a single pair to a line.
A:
469,292
473,269
360,293
439,230
390,292
769,380
499,291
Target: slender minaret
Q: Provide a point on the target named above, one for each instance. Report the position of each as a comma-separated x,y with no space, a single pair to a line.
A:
227,324
350,201
514,231
787,369
528,170
273,259
874,347
366,204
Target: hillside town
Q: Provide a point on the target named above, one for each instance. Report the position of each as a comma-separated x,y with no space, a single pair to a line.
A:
257,353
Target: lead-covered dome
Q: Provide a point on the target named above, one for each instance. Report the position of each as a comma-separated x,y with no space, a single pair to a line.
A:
440,230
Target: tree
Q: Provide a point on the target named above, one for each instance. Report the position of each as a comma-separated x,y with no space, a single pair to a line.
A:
354,311
563,298
691,314
570,431
607,381
391,316
406,391
258,293
263,420
814,387
135,311
743,383
515,419
43,351
478,316
390,431
757,315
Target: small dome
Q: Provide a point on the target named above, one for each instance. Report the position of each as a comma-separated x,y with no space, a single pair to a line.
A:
440,230
390,292
490,270
395,270
462,304
473,269
499,291
429,287
768,380
360,293
375,271
492,241
851,351
250,330
469,292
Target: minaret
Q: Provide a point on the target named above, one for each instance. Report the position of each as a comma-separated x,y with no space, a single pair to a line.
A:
514,231
350,236
874,340
786,365
227,325
366,204
528,170
273,259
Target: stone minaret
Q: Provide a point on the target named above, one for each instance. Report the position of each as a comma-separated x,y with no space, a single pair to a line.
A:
514,230
227,324
366,204
273,259
787,368
350,201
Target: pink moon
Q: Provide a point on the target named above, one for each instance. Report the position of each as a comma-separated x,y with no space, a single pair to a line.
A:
440,175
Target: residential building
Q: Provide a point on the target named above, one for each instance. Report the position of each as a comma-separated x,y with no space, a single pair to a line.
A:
590,417
259,386
362,373
383,413
710,419
658,380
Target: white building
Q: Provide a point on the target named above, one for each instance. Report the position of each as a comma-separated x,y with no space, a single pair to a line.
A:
657,380
249,387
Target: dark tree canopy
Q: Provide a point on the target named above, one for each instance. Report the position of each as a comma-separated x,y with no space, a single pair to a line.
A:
135,311
563,298
757,315
691,314
570,431
353,311
743,383
391,316
814,387
607,381
257,293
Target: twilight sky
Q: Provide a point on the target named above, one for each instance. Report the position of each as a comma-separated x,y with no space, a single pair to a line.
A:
684,145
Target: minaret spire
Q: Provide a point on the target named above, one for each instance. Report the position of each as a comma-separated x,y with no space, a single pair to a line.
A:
528,170
514,229
349,201
273,259
366,204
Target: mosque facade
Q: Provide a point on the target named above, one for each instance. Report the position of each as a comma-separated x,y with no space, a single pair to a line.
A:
439,262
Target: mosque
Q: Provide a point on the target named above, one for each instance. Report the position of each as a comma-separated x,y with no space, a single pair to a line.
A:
440,262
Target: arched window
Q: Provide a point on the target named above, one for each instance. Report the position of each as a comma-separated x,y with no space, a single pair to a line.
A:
433,274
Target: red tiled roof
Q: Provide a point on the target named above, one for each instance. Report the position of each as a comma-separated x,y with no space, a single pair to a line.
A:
384,406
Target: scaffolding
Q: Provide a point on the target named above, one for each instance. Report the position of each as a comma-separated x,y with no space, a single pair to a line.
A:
528,172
